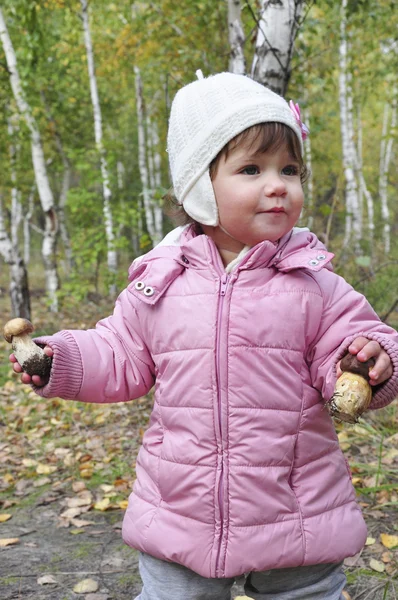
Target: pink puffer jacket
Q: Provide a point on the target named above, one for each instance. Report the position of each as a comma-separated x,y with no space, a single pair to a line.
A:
240,468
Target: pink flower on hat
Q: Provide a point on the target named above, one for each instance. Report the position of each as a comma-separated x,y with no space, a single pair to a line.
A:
297,115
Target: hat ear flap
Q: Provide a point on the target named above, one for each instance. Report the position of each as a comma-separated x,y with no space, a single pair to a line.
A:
200,202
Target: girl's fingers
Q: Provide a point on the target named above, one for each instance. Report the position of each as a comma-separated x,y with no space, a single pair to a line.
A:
37,380
25,378
382,369
12,358
17,367
49,351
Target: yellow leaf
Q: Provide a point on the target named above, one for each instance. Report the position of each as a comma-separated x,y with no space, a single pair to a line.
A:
29,462
4,518
45,469
389,541
102,504
8,542
8,478
377,565
243,598
86,473
123,504
370,541
86,586
346,595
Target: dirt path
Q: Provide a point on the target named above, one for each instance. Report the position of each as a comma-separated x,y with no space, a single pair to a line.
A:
64,558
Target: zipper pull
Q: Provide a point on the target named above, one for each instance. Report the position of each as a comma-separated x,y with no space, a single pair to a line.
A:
223,284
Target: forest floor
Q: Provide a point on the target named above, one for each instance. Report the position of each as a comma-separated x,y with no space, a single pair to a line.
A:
66,470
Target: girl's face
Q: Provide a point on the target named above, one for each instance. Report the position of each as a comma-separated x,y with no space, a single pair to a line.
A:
259,197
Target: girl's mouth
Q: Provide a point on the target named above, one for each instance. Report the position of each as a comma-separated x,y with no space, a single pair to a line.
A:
276,209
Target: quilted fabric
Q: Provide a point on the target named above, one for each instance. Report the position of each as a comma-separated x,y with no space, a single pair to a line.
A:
240,468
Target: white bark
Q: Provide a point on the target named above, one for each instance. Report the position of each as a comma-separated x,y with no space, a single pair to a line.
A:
26,226
308,162
39,165
19,290
142,161
63,196
156,176
237,63
110,237
277,30
362,188
385,160
352,227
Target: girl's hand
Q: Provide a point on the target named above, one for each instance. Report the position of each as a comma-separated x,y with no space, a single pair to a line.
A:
25,378
364,349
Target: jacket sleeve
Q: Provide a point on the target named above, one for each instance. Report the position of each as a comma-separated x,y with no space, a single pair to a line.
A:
347,315
110,363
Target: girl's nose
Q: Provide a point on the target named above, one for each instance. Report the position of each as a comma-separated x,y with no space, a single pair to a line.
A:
274,185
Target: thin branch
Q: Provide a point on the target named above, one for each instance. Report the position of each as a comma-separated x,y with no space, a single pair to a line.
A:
284,70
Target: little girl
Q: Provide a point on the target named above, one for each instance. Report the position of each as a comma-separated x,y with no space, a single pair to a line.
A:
239,322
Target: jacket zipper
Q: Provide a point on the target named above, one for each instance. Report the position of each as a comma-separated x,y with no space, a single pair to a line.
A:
222,291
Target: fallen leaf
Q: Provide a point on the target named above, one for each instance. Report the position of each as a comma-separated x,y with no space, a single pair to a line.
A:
45,469
370,541
8,542
29,462
78,486
346,595
389,541
4,518
102,504
123,504
386,557
377,565
85,586
41,481
46,580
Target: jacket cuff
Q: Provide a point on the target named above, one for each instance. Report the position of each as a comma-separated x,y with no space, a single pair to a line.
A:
387,391
66,373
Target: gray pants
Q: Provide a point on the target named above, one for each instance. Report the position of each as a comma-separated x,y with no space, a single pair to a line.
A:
169,581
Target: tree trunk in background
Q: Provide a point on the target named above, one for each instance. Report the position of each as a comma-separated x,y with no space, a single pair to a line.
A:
110,237
385,159
39,165
142,162
310,182
237,63
348,148
19,288
156,173
276,33
363,189
63,196
26,226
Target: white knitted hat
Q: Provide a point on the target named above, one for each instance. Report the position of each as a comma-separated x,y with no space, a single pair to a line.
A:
205,115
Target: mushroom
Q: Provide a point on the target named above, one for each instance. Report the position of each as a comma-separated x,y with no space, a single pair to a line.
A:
352,394
30,356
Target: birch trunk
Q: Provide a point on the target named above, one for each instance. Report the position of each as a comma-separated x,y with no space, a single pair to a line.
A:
142,161
19,288
310,182
363,189
156,167
39,165
63,196
26,226
348,149
277,30
385,159
237,63
110,238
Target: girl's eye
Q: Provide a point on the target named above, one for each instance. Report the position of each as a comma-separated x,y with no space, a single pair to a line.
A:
290,170
250,170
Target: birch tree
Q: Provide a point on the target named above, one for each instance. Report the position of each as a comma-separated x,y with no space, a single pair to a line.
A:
237,62
352,221
154,227
39,165
277,29
386,146
9,244
107,194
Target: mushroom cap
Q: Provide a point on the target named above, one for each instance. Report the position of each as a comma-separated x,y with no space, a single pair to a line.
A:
17,326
